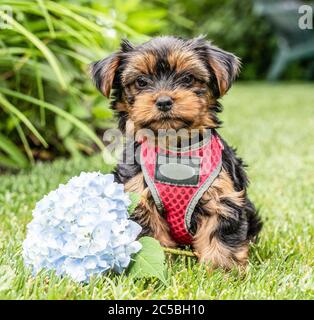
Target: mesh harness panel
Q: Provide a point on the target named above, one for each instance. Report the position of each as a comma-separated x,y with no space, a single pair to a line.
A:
177,179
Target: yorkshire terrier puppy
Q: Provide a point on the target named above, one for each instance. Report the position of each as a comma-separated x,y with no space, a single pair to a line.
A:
194,194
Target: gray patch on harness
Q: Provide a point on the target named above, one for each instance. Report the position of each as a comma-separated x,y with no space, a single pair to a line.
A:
178,170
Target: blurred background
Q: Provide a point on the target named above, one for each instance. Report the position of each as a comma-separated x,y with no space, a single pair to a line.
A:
49,107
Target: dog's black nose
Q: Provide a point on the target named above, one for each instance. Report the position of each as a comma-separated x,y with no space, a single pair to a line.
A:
164,103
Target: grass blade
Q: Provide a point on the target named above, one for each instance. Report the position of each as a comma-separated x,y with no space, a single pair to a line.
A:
13,110
25,142
41,96
47,17
7,163
13,152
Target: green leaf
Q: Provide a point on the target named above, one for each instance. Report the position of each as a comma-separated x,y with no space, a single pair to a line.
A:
150,261
135,199
39,44
126,6
8,163
63,127
15,111
47,17
16,156
101,112
147,20
71,145
78,110
26,145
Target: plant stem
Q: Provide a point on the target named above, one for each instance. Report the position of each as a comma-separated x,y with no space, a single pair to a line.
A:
180,252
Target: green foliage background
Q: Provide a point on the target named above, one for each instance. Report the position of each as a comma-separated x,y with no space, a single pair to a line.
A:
48,104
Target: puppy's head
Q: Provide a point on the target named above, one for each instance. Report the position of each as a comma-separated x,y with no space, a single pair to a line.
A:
167,82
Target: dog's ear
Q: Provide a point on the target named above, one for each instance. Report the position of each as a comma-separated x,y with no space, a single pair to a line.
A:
103,71
225,65
126,46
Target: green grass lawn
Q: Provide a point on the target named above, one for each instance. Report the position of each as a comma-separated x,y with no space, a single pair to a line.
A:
273,128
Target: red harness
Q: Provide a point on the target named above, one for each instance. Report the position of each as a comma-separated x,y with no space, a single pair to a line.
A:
177,179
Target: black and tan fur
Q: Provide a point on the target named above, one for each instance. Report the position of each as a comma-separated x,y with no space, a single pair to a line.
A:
195,75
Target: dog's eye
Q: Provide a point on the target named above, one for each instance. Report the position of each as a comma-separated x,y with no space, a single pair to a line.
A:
141,82
187,79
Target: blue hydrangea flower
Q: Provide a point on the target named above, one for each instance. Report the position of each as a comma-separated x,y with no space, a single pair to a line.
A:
82,229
